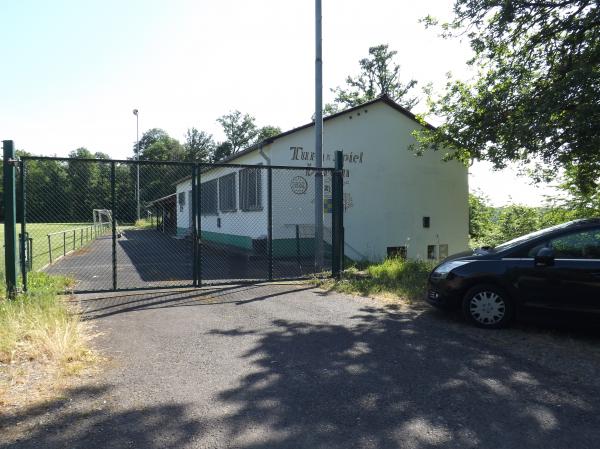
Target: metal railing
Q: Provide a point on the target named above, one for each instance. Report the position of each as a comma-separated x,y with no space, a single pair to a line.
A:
92,232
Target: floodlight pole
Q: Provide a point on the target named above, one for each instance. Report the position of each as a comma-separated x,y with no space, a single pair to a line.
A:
137,158
318,138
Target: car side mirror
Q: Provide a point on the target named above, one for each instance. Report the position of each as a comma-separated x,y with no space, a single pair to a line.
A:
544,257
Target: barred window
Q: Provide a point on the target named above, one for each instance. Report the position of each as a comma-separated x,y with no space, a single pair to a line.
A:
431,252
443,251
250,189
208,197
396,252
181,201
227,201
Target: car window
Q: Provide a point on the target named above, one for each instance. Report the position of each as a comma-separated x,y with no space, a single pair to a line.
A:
529,250
579,245
535,249
514,242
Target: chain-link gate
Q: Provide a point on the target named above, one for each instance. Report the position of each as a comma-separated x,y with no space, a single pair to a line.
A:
118,225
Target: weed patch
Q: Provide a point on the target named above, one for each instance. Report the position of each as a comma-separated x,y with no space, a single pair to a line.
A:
393,278
42,339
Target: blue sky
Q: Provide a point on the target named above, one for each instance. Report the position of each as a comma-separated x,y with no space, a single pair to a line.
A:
74,70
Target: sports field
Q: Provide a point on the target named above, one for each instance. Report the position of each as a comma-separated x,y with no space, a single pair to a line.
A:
64,237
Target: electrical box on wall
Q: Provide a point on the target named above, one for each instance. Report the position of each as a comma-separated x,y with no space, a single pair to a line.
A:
426,222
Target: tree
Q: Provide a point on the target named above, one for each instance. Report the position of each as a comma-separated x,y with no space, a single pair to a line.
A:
379,75
580,203
480,219
536,95
165,148
239,129
267,131
199,146
222,151
517,220
148,138
83,178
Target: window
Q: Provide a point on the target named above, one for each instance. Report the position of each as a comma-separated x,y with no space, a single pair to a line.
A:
443,251
250,189
580,245
396,252
227,202
208,198
181,201
426,222
431,252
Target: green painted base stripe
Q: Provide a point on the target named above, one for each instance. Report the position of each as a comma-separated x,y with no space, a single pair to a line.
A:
240,241
290,247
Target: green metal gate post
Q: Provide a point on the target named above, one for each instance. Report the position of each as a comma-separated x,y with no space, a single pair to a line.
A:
24,237
270,220
199,214
10,218
194,225
337,263
113,201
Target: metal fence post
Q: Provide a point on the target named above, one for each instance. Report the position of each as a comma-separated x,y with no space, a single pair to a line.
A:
113,202
270,220
10,218
194,226
24,240
337,263
199,214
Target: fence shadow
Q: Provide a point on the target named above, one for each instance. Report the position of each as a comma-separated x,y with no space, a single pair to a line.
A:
106,305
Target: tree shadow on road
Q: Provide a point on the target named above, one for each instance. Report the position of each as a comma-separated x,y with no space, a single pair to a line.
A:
395,380
85,421
392,378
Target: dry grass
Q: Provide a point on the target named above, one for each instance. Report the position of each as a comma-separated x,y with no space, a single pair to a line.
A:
43,342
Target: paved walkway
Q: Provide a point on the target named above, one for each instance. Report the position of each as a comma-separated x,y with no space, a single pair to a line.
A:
286,366
147,258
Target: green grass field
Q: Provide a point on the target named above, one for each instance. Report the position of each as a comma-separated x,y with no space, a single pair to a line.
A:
59,245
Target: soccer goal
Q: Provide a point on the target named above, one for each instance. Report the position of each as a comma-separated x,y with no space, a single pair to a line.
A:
102,220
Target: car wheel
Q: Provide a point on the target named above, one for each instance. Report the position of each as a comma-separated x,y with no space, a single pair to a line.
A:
488,306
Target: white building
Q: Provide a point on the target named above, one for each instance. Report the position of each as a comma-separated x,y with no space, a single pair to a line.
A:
395,202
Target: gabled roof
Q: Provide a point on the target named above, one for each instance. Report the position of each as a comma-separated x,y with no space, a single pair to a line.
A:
381,99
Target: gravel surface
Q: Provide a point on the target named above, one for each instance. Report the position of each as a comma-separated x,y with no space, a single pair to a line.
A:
289,366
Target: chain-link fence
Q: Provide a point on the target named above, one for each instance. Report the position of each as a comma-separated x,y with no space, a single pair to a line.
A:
125,224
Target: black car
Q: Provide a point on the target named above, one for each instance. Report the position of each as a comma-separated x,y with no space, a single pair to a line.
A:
555,268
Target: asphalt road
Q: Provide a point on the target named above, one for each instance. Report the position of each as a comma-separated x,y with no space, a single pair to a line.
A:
147,258
286,366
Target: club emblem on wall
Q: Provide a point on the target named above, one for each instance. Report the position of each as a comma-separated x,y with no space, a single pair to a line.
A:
299,185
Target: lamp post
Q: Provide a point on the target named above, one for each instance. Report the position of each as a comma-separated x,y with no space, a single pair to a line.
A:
137,158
